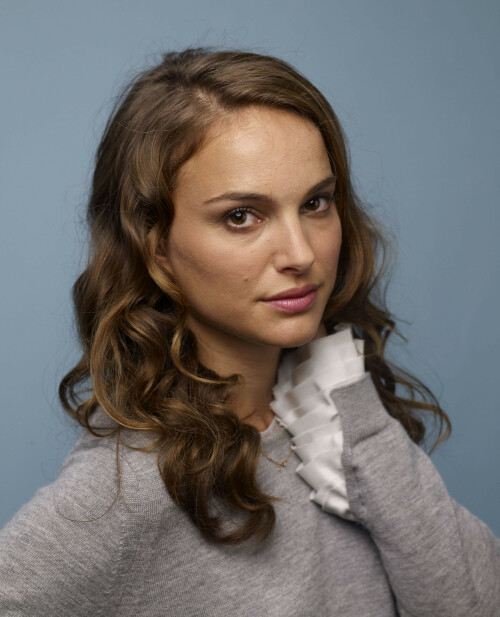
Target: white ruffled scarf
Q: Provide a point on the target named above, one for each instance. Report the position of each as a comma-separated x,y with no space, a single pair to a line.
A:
303,406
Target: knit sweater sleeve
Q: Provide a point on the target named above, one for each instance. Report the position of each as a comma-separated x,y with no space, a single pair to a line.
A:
60,554
440,559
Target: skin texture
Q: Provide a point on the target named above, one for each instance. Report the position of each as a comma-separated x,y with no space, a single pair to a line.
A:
227,263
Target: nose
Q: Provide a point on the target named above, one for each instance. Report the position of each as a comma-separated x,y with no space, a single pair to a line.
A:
293,250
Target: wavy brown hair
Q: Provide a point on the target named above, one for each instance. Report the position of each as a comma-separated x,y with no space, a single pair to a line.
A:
139,360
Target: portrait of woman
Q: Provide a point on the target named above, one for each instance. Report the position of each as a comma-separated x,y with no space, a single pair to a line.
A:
247,446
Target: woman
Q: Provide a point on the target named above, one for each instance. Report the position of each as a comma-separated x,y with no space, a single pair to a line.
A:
232,302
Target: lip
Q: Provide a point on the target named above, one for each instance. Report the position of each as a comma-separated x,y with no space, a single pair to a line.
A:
294,292
294,300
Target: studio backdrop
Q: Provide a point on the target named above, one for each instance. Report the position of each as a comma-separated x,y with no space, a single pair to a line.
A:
416,87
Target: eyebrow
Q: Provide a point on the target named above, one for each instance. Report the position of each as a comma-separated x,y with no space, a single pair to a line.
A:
327,182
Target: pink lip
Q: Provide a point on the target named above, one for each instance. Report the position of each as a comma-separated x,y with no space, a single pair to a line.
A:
295,292
294,300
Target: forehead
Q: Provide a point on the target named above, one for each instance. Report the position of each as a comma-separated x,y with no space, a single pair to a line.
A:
257,148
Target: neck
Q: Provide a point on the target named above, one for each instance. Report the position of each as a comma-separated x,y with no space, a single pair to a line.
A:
257,366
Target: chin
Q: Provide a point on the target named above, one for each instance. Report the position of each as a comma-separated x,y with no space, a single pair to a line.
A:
295,336
297,342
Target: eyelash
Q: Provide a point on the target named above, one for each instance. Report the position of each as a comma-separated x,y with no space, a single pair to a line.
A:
329,197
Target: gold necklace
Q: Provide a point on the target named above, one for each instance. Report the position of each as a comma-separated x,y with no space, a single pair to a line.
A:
283,463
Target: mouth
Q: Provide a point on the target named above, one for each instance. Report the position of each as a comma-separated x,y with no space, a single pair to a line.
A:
294,300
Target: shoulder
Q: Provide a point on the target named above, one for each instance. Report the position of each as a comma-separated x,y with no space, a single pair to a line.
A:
66,546
111,469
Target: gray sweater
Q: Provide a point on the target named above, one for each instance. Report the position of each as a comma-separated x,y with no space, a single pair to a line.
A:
74,550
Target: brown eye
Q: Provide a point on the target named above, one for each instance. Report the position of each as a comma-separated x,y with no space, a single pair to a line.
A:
242,219
238,217
313,204
318,203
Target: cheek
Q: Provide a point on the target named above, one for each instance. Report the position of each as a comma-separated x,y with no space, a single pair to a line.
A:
203,264
328,247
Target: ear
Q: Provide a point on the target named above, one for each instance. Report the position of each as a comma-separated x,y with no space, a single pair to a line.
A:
161,257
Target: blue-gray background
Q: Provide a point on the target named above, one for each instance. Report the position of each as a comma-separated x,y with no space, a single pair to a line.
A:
416,85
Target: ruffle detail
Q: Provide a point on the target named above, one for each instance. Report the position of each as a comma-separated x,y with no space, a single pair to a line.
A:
303,406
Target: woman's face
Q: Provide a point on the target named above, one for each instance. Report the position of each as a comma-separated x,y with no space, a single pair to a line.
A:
255,217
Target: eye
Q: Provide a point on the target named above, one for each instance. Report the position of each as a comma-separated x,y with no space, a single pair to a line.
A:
319,203
240,218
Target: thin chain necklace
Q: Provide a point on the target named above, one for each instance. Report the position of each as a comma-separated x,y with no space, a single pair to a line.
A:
283,463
